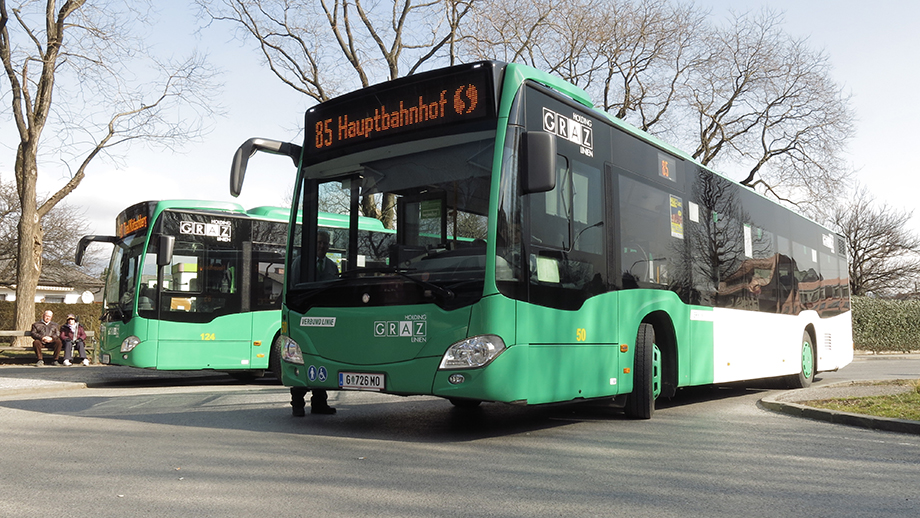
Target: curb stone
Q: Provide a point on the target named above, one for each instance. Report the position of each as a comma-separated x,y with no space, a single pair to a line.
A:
775,403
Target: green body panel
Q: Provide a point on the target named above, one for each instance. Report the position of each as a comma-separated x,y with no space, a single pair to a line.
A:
693,337
114,333
222,344
540,373
551,355
378,335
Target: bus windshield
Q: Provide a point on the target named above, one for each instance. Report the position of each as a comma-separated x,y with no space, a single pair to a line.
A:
437,199
121,279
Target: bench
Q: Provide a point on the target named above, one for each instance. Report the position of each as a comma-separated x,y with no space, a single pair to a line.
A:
90,342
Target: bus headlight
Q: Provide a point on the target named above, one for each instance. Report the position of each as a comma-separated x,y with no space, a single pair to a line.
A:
476,351
129,344
290,351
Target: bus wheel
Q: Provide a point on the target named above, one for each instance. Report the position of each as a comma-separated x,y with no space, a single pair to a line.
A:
806,365
640,403
274,358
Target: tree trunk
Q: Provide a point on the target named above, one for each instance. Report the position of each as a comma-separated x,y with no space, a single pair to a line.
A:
28,269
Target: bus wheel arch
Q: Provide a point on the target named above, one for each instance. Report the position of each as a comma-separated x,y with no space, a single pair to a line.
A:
666,342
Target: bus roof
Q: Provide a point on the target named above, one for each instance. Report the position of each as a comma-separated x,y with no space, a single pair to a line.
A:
269,212
197,204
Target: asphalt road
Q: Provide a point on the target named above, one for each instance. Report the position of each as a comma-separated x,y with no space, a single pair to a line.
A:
200,445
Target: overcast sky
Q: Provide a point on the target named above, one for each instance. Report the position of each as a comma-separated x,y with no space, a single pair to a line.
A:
873,48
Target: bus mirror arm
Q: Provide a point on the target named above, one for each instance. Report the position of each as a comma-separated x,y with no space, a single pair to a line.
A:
538,162
85,241
241,158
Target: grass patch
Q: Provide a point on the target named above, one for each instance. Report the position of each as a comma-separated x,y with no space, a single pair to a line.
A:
896,406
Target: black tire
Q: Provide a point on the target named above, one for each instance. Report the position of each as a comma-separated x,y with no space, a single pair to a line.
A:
807,364
640,404
274,358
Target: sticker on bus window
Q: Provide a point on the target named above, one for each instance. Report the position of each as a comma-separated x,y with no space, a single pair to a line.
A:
677,217
748,241
694,212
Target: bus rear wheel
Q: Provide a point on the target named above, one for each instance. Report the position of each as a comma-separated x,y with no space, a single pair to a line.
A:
640,404
807,364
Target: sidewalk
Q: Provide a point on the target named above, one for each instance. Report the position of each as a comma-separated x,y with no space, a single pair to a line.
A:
791,403
19,379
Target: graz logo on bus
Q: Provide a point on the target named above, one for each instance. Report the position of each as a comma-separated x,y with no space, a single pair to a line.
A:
414,327
576,129
219,230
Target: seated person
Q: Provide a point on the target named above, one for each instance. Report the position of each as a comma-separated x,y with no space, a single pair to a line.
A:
72,333
45,333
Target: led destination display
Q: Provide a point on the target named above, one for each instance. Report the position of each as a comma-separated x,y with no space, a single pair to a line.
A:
133,220
415,103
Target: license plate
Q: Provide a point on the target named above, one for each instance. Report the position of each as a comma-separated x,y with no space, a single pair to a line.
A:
361,381
106,359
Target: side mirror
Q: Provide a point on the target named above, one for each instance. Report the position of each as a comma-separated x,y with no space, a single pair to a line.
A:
241,158
538,162
165,248
85,241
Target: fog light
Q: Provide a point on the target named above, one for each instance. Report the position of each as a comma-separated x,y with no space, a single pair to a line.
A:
456,379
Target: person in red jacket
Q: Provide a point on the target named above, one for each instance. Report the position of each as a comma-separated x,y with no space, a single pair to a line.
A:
46,333
72,333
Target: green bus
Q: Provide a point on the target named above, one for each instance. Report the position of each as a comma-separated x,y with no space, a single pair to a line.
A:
195,284
544,252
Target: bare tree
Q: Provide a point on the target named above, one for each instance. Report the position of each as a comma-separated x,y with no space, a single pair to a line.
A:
766,101
514,31
746,96
324,48
63,226
884,256
648,48
91,54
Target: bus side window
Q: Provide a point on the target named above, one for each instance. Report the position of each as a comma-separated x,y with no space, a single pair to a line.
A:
648,242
